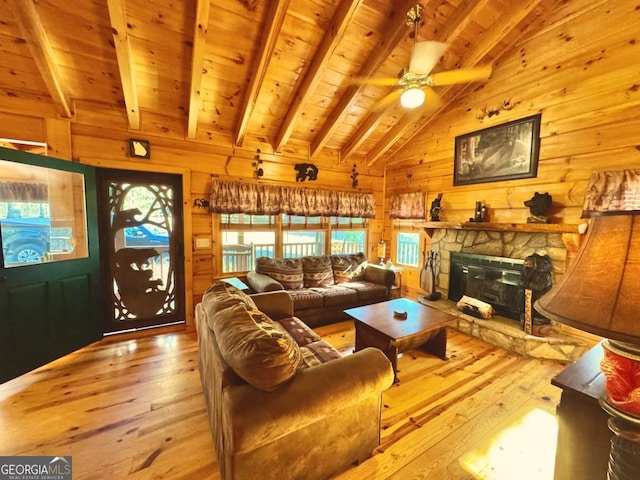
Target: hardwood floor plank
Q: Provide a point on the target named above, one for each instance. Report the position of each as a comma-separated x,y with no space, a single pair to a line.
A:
131,406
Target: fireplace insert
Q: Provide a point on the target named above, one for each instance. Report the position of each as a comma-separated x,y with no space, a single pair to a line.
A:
495,280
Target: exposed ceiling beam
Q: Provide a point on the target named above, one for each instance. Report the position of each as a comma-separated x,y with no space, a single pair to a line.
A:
346,12
396,30
499,30
125,61
200,30
270,34
33,32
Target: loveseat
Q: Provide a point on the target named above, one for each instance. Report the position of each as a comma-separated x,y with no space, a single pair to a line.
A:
323,286
283,403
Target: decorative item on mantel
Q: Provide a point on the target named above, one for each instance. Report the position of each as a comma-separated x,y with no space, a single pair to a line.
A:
600,294
480,213
538,205
436,208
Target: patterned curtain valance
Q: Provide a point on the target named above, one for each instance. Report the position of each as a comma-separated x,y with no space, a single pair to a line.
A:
612,191
23,192
407,205
258,199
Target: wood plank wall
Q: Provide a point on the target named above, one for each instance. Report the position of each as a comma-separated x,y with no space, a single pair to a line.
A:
581,73
99,137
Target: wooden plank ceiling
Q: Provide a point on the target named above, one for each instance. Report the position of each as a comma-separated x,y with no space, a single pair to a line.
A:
275,72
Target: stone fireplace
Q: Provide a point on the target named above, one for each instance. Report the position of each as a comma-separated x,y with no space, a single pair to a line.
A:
493,248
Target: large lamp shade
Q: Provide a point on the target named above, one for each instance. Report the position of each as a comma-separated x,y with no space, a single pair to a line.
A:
600,291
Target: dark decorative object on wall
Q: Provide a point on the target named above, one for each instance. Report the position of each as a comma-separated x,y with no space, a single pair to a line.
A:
259,172
306,171
479,213
436,208
504,152
354,176
201,203
490,112
538,205
139,148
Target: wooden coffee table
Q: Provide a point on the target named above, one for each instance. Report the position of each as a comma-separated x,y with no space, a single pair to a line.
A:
377,327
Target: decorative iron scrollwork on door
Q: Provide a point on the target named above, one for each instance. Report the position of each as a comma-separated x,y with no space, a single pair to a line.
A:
141,239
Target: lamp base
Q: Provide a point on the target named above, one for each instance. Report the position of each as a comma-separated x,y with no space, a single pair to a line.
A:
624,456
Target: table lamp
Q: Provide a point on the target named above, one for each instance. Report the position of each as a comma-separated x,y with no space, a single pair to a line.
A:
600,294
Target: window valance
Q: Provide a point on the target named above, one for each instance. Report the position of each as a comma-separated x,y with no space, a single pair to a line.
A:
23,192
407,205
259,199
612,191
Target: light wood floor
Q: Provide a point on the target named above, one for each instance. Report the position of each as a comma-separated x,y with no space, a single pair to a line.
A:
132,407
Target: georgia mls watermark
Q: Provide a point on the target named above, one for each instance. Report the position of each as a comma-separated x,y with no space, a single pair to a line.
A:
35,468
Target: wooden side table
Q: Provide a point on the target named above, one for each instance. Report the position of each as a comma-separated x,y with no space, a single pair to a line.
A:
583,435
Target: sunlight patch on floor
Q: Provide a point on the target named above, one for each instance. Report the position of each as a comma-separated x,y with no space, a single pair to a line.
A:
525,449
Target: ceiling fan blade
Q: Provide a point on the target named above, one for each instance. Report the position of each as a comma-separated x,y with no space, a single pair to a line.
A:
460,76
426,55
432,100
374,81
387,100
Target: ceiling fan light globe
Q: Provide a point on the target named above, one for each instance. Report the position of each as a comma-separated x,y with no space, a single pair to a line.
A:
412,98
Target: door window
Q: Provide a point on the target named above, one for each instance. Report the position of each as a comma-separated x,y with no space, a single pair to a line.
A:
42,214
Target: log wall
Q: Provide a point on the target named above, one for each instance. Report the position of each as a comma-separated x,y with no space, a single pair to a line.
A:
581,73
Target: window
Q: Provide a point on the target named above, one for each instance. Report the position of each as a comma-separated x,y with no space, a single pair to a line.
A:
246,237
42,216
407,246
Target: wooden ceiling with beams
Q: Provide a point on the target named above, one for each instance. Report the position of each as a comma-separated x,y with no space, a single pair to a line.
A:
275,72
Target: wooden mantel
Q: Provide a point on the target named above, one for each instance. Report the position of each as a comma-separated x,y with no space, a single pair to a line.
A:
571,233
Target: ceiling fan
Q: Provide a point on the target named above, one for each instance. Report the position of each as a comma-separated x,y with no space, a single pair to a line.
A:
415,82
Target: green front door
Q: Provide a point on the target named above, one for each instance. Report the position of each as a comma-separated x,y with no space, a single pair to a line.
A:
50,295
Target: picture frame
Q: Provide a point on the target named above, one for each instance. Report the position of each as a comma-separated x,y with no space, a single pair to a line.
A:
508,151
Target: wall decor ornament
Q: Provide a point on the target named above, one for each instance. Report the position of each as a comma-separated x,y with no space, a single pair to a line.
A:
258,171
139,148
503,152
306,171
354,176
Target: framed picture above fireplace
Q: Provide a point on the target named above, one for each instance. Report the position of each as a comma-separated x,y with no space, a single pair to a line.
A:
503,152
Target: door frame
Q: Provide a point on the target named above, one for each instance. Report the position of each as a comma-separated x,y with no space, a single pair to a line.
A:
186,218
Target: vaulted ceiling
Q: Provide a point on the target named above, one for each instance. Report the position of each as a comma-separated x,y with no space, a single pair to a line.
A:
277,72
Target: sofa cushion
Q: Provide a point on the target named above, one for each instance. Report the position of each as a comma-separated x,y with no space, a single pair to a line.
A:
367,290
349,267
221,295
317,271
287,271
257,349
305,298
317,353
337,295
300,331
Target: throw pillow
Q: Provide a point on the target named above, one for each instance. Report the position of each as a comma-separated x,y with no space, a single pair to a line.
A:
287,271
317,271
257,349
349,267
221,295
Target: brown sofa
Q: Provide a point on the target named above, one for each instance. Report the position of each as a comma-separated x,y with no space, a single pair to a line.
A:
283,403
323,286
